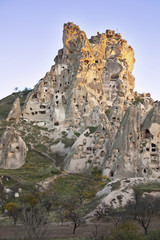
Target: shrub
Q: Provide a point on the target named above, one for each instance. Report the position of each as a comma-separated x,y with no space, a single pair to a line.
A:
125,231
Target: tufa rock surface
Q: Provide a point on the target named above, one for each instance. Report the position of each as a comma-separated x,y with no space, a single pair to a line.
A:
90,92
12,150
15,112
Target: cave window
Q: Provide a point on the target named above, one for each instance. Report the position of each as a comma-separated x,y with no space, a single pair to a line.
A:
36,112
95,79
17,147
111,173
57,102
144,170
86,61
42,107
147,149
115,76
153,145
42,112
34,96
32,113
89,148
56,123
46,90
148,134
30,108
56,96
60,85
153,150
102,153
96,61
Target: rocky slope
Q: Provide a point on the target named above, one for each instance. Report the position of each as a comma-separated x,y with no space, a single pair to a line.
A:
89,97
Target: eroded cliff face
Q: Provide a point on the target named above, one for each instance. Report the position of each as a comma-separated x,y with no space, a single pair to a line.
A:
90,90
12,150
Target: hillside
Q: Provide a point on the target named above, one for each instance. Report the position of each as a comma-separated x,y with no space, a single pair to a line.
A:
82,137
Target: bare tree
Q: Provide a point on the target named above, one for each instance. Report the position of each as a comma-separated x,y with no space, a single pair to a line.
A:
101,211
143,210
97,234
117,215
34,222
74,214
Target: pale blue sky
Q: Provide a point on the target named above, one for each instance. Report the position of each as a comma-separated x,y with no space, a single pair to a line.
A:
31,34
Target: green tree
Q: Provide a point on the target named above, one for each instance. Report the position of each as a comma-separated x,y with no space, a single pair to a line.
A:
31,200
12,211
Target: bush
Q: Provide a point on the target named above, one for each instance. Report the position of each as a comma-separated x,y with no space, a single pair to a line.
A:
154,235
126,231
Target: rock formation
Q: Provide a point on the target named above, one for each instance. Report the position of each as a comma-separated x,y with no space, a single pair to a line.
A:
12,150
15,112
90,91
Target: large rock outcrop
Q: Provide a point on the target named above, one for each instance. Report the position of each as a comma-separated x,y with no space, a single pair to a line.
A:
12,149
87,77
90,91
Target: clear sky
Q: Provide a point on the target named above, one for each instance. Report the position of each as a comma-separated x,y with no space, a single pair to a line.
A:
31,34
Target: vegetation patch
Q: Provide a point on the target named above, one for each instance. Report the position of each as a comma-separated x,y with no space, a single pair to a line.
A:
107,112
116,185
147,187
7,102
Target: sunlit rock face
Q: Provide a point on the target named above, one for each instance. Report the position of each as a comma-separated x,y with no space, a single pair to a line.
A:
87,77
14,114
91,85
12,150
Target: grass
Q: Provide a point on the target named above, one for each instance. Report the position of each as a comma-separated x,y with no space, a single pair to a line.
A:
116,185
107,112
35,169
68,142
91,130
7,102
65,185
77,134
148,187
137,100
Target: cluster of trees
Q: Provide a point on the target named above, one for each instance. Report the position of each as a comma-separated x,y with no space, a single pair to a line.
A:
33,209
141,211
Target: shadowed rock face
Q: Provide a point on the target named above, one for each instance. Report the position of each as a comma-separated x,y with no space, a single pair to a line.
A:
91,85
12,150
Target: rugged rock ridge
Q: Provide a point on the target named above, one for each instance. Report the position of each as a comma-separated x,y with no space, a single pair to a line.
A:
90,92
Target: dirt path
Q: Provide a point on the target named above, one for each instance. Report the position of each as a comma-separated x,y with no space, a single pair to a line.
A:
58,231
